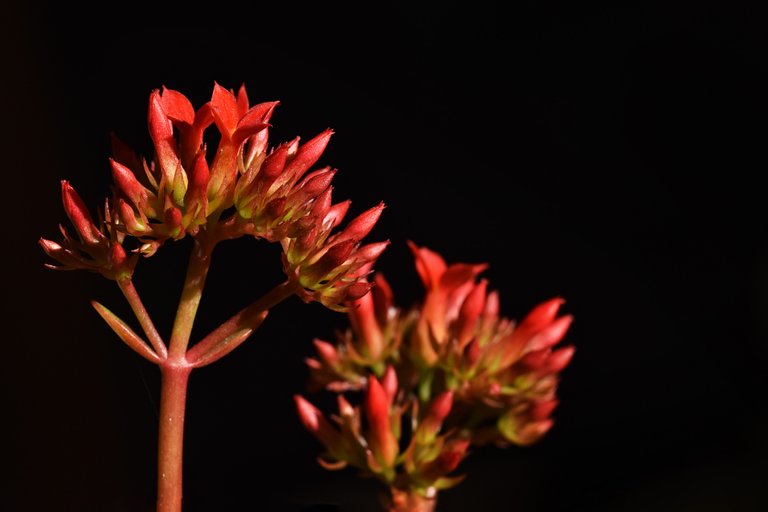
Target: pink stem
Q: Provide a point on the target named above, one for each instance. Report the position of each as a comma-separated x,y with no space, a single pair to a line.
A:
132,296
171,436
197,271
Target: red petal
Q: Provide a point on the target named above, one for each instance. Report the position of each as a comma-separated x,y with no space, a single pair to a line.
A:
177,107
242,100
225,111
429,265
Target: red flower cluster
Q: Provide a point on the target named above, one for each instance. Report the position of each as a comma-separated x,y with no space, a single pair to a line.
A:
245,189
466,376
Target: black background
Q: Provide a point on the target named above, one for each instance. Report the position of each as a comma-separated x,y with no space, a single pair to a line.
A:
612,155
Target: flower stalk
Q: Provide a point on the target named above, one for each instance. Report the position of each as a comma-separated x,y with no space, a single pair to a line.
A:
173,399
245,190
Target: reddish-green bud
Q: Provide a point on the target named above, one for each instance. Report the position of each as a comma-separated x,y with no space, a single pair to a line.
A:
130,187
314,421
551,334
380,437
389,383
361,225
78,214
161,131
470,311
366,327
327,352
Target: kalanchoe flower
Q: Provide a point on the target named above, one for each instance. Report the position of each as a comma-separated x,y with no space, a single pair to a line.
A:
466,376
241,188
96,248
246,188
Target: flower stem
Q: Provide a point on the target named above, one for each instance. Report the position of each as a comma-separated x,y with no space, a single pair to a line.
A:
197,271
132,296
171,436
410,501
175,370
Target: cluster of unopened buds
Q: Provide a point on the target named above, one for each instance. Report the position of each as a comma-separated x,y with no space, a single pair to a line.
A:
246,189
243,188
446,375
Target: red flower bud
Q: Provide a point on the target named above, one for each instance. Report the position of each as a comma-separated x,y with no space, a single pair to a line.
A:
306,155
364,323
542,315
314,421
470,311
333,258
453,453
161,131
389,383
559,359
551,334
361,225
127,183
327,352
355,291
543,409
335,214
78,214
196,198
380,437
441,406
313,185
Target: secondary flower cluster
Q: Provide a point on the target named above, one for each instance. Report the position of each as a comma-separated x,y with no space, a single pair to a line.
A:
244,189
449,374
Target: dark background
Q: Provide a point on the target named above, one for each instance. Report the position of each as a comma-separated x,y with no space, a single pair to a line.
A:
612,155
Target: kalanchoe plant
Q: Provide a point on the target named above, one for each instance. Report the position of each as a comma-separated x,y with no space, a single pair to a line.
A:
245,189
445,376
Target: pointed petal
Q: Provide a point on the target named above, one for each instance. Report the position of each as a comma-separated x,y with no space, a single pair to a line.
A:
225,111
177,107
430,265
242,100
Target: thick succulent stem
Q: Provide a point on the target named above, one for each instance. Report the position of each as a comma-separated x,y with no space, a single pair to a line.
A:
173,396
410,501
